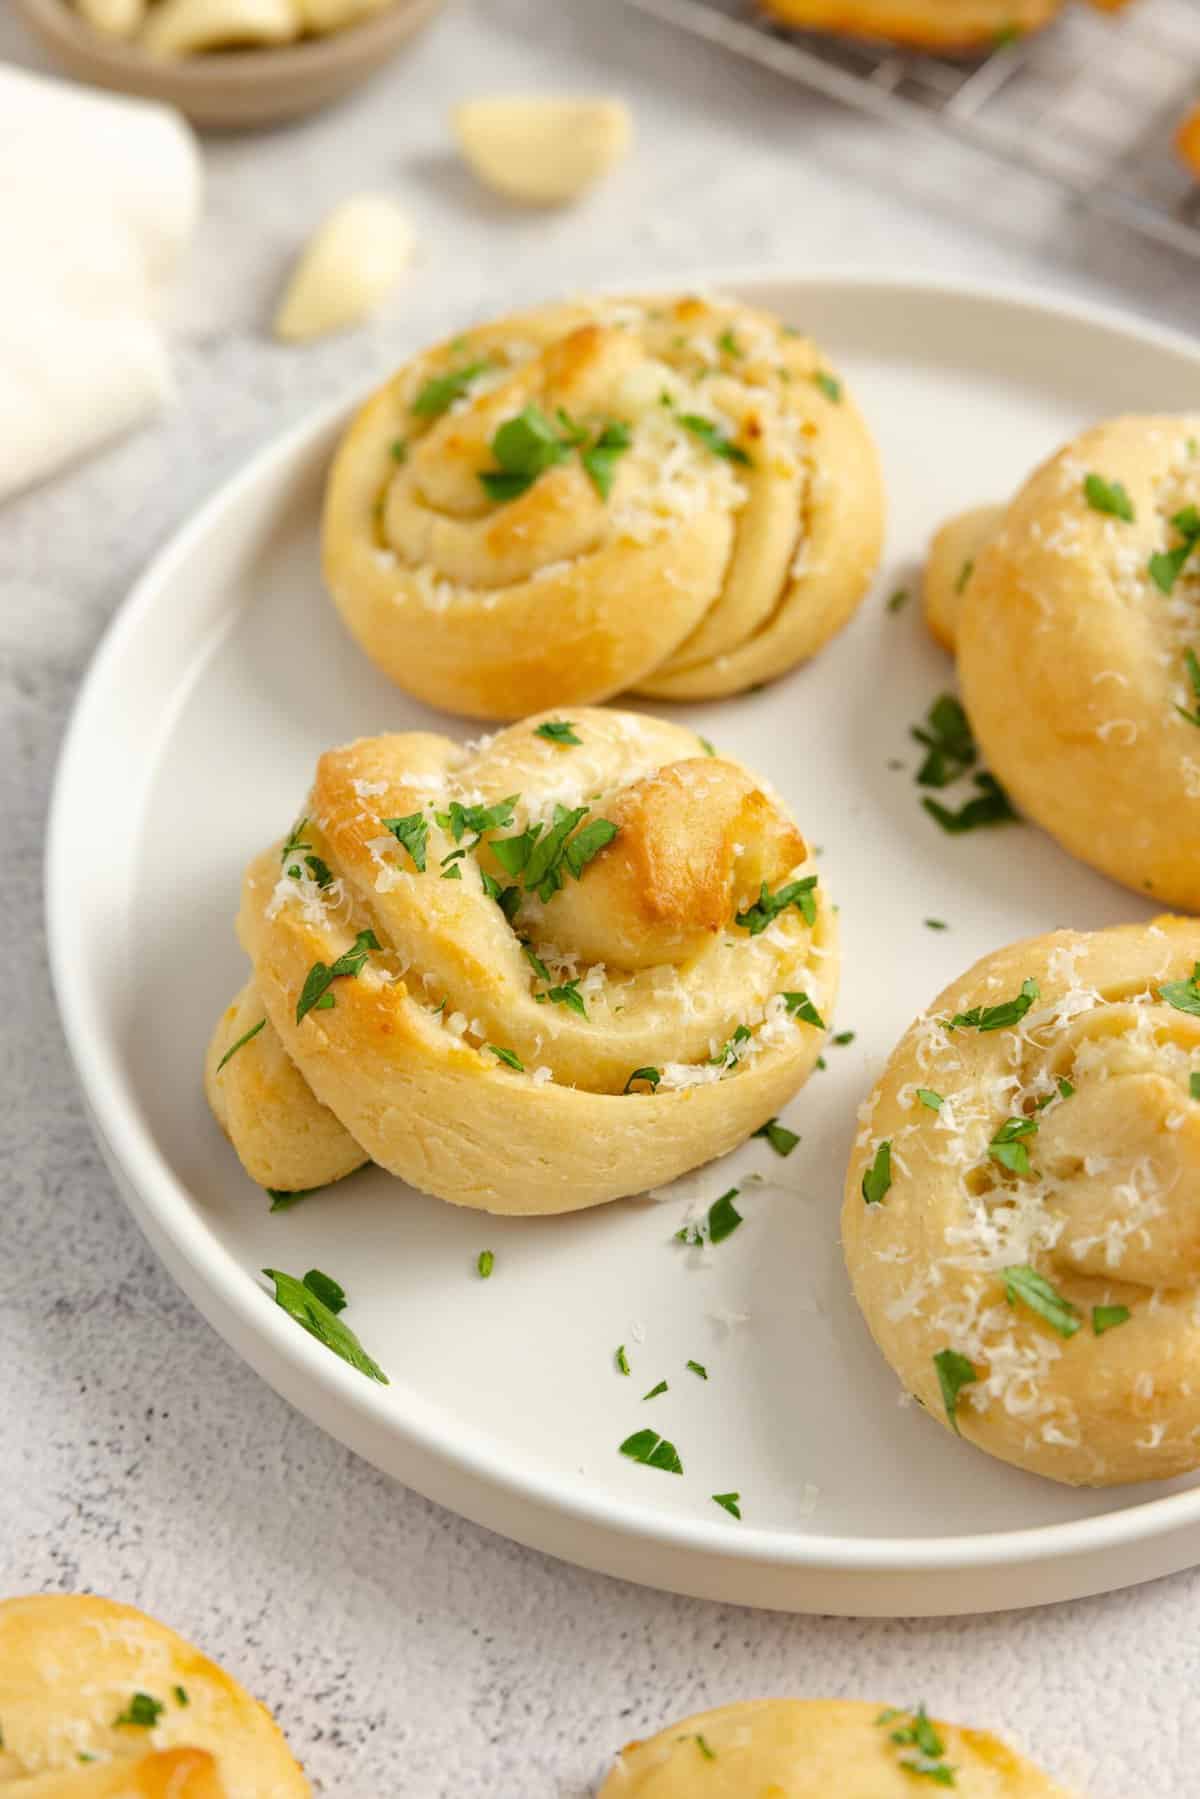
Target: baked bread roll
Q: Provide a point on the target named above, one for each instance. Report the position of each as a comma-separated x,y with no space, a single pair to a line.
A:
1022,1211
579,958
947,25
671,495
814,1748
101,1702
1077,632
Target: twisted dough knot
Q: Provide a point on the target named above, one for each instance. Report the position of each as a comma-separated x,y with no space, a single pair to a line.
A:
1074,616
527,975
671,495
1022,1213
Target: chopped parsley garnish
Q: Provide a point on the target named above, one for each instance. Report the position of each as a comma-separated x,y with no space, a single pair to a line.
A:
801,1007
1192,663
721,1220
485,1263
954,1372
1184,995
1108,496
282,1198
450,874
557,730
964,575
1065,1089
706,746
600,458
842,1038
535,961
949,745
320,871
508,1057
539,856
713,438
698,1369
412,833
460,819
181,1697
655,1391
705,1748
1194,1085
1007,1148
653,1451
877,1180
316,983
929,1098
330,1292
899,600
768,905
524,447
1166,566
507,898
622,1360
1107,1318
782,1141
1035,1291
295,840
566,995
991,806
242,1040
727,1055
651,1076
920,1733
440,391
936,924
728,342
142,1711
398,450
996,1018
303,1301
829,385
729,1502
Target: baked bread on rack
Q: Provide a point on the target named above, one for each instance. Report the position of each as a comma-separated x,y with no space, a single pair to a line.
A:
672,495
946,25
1022,1211
529,974
815,1748
98,1701
1075,617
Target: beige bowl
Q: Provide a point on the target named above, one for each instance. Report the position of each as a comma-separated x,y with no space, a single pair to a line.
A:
230,89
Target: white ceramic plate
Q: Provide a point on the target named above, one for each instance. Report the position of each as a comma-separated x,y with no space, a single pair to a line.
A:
193,744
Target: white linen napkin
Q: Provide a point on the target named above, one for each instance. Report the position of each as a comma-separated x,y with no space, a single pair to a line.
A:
98,200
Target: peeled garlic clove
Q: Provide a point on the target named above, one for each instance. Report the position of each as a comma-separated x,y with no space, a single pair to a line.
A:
350,263
542,152
115,18
185,27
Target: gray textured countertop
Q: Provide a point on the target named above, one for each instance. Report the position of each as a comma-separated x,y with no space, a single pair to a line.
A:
406,1652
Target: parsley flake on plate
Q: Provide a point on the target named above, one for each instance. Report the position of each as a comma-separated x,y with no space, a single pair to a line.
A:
899,600
991,806
949,745
1108,496
652,1451
877,1181
282,1198
622,1360
655,1391
698,1369
954,1372
782,1141
241,1042
1034,1290
729,1502
485,1263
304,1301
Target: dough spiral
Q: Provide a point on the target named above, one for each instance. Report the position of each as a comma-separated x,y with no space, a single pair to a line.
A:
1075,615
671,495
599,964
98,1701
1022,1211
813,1748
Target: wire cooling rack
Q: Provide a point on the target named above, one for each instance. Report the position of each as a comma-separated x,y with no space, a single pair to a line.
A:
1089,104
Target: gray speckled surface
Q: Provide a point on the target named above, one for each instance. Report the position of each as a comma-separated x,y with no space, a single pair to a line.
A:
406,1652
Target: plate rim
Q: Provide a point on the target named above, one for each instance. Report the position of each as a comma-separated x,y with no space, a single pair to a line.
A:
162,1205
